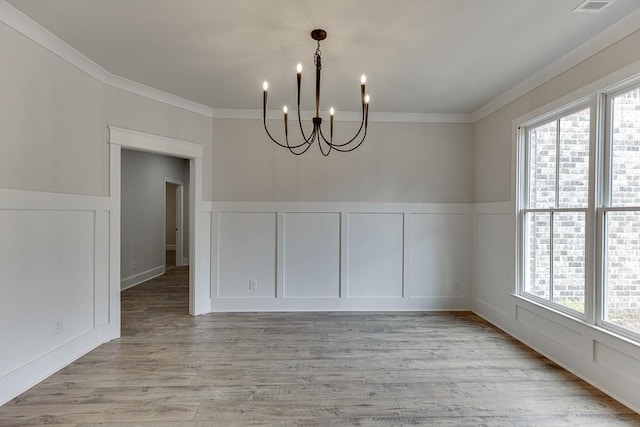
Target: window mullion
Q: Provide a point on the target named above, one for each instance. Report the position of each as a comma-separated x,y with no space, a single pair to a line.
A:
606,166
557,198
601,267
600,196
523,203
556,205
560,210
551,255
604,201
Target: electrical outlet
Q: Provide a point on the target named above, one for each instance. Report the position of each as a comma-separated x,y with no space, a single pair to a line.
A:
456,285
253,285
57,327
134,265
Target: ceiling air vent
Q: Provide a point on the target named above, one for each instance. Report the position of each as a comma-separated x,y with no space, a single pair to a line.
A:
592,6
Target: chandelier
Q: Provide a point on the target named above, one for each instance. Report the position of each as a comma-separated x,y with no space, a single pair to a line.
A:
325,144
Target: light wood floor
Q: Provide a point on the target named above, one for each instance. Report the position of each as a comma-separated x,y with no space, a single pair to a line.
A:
378,369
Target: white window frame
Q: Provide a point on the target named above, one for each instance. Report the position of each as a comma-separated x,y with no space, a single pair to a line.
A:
522,193
605,174
598,98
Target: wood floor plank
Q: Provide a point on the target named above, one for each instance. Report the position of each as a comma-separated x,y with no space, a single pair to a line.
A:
73,414
65,393
514,406
311,369
330,364
296,409
461,375
168,394
247,378
122,380
348,390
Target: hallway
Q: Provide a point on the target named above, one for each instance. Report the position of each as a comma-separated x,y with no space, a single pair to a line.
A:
307,368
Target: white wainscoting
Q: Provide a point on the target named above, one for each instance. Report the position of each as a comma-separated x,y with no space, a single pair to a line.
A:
609,362
375,255
441,254
311,255
494,260
248,239
54,259
340,256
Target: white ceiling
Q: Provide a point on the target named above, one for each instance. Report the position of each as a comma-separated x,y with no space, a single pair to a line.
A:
420,56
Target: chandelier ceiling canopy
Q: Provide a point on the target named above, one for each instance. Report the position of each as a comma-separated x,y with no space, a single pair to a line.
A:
325,142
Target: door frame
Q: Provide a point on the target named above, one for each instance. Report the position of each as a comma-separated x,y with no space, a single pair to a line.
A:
179,202
199,287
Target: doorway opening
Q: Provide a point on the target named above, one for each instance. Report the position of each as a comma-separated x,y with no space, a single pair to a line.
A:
198,264
151,201
173,220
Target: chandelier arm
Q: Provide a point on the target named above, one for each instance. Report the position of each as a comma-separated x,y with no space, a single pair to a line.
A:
304,136
363,123
264,122
351,140
327,141
291,147
274,140
322,138
306,140
320,144
346,144
301,152
327,153
346,150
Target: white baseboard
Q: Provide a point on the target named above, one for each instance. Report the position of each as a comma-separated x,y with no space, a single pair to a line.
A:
33,372
136,279
340,304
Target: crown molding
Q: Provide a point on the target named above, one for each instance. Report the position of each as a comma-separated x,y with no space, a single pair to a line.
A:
29,28
157,95
420,117
347,116
614,33
26,26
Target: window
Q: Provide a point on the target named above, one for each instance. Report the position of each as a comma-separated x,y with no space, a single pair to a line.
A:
621,214
555,210
579,210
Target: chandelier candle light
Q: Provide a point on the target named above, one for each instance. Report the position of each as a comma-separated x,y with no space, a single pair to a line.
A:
326,145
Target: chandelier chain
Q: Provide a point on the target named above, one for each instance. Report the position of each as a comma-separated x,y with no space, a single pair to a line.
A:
317,61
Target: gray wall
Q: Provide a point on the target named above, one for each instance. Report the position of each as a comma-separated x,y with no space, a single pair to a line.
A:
142,226
51,132
398,162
